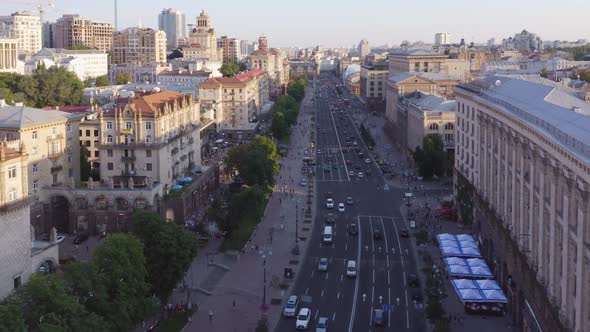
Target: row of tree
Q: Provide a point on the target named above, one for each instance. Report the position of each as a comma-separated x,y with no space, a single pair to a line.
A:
286,109
431,158
229,69
122,284
121,79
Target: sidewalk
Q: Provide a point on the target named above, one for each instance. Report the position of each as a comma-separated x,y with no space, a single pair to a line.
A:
239,277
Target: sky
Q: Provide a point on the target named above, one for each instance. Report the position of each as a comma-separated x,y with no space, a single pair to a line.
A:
342,23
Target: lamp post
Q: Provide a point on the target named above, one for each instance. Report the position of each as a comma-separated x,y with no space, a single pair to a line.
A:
295,250
264,253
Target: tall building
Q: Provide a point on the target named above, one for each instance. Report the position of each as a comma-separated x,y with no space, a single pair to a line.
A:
246,48
26,28
364,49
523,42
373,78
9,55
442,38
203,39
272,61
523,170
415,61
71,30
230,49
139,45
172,22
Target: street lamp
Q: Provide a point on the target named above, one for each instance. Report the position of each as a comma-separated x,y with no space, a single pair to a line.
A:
264,252
296,248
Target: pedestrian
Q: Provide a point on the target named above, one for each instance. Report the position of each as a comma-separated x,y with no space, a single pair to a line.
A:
234,302
210,315
76,247
87,249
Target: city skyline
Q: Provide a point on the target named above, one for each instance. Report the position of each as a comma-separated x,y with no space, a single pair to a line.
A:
383,26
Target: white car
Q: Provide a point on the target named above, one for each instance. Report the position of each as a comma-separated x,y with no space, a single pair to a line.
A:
303,182
361,174
303,319
329,203
340,207
291,306
368,161
60,238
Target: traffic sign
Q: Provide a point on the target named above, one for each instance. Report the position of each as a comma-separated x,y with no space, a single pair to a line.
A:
387,307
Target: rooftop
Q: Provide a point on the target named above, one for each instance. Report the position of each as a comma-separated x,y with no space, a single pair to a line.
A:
23,116
427,102
551,107
428,76
417,52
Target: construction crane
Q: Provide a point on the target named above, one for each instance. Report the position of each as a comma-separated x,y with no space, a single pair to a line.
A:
41,5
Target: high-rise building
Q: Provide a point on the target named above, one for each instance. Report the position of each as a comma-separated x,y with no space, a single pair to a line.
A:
172,22
274,62
71,30
203,39
523,172
230,49
139,45
8,55
246,48
442,38
26,28
523,42
364,49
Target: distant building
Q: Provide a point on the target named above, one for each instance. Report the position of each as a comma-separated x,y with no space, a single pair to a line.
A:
523,42
246,48
26,28
303,68
172,22
442,38
84,63
197,64
364,49
522,157
139,45
140,73
237,101
373,78
72,30
419,60
9,62
230,49
202,40
182,77
274,63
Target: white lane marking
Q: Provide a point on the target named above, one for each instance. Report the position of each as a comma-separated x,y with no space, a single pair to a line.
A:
406,293
372,237
371,317
312,272
384,234
399,244
387,261
334,316
405,282
326,275
356,284
317,313
388,278
373,275
338,295
407,319
341,277
307,291
372,294
389,301
323,293
346,246
340,146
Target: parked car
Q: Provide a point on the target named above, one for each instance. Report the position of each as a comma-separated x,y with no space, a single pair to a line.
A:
303,182
378,317
353,229
329,203
60,238
349,200
291,306
340,207
303,319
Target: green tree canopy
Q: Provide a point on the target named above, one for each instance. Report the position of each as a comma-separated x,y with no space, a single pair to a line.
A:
80,47
229,69
56,87
585,76
279,127
431,157
11,318
256,162
102,81
168,249
123,78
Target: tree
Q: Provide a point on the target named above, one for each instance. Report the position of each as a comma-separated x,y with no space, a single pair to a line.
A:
245,208
431,157
102,81
121,264
11,318
544,73
243,66
279,126
56,87
229,69
257,162
585,76
80,47
169,251
123,78
84,164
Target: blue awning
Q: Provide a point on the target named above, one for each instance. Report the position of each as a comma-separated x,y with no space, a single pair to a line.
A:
479,291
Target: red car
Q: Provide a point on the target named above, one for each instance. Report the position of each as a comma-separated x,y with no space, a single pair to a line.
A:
404,233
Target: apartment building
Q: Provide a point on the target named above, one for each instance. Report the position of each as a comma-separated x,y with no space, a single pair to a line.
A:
237,101
373,79
71,30
140,73
184,78
172,22
523,169
25,28
20,256
425,61
9,62
139,46
230,49
274,62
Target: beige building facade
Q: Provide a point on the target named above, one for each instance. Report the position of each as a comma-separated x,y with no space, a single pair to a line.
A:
9,55
202,40
274,62
415,61
523,152
71,30
236,101
139,46
25,28
373,79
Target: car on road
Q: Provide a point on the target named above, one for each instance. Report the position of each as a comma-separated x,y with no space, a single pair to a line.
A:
330,218
348,162
349,200
330,203
368,172
323,264
358,166
60,238
351,173
378,317
340,207
353,229
361,175
417,297
303,318
329,194
291,307
368,161
413,280
303,182
322,325
404,233
377,234
351,268
80,238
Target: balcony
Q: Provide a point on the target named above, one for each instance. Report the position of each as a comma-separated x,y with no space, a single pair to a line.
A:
53,138
128,159
56,168
16,204
55,154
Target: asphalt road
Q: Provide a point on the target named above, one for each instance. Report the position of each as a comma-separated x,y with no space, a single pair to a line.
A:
383,264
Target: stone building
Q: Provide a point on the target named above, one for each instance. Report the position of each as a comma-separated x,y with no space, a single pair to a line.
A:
415,61
230,49
523,178
172,22
373,78
139,45
84,63
202,40
25,28
237,100
274,62
9,62
71,30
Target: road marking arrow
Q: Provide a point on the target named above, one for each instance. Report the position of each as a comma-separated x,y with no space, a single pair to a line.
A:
365,296
380,299
379,249
366,248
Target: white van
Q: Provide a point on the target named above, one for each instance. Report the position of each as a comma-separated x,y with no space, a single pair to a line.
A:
351,269
327,234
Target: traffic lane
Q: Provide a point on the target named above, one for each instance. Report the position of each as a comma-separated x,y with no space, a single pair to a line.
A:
366,298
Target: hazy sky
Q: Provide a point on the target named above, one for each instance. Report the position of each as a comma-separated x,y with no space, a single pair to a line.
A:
344,22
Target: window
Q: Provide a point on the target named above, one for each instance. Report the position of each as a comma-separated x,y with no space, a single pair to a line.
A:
95,143
35,168
53,131
148,139
87,143
87,132
17,282
433,126
88,154
69,128
80,132
95,154
148,167
70,172
95,133
34,150
109,125
110,153
12,195
449,126
148,126
35,185
128,125
12,172
109,139
34,135
148,153
70,157
110,166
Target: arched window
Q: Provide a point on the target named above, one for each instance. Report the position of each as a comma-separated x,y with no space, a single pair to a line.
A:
449,126
433,126
110,139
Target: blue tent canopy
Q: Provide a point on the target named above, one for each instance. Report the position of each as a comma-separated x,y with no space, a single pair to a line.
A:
479,291
473,268
462,245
